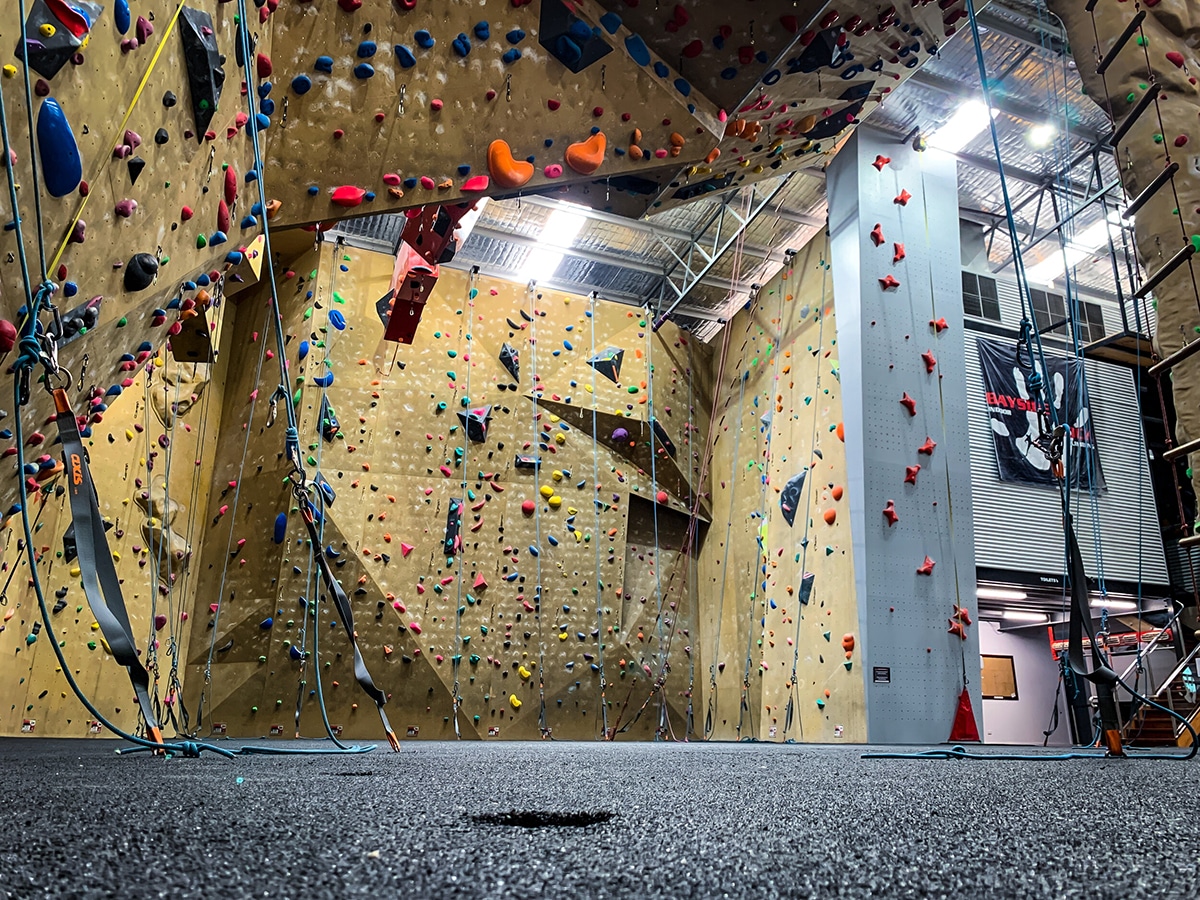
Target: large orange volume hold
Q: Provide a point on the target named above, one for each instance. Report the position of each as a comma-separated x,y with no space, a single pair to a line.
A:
586,156
505,170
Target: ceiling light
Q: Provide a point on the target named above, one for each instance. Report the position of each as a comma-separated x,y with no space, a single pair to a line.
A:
1042,135
963,127
1114,605
1077,250
1022,615
989,593
558,234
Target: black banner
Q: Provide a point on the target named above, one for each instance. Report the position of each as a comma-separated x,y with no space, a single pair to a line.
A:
1013,417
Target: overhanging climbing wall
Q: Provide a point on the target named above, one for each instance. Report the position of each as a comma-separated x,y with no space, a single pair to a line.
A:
780,658
1158,53
896,268
444,577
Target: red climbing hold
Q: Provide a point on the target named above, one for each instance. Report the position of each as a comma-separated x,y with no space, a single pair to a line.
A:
694,49
930,361
902,198
661,497
889,282
927,447
962,614
910,474
350,5
877,237
909,403
889,513
348,195
1174,56
8,335
880,162
957,628
262,64
528,507
897,252
939,325
476,184
926,568
480,582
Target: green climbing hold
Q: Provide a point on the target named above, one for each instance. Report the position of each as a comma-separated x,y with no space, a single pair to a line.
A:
201,242
122,322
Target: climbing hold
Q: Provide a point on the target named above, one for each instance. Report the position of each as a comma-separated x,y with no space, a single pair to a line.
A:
586,156
348,196
877,237
889,282
930,361
902,198
926,568
889,513
280,528
927,447
830,516
204,63
910,474
140,272
897,252
880,162
909,403
506,171
62,167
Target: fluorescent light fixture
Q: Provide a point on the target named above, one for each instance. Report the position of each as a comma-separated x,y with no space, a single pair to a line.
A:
1115,606
558,234
963,127
1077,250
1022,615
989,593
1042,135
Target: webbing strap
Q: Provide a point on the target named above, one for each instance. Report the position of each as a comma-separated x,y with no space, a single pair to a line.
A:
1081,617
100,583
342,602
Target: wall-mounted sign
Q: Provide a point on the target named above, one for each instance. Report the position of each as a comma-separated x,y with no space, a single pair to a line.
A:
1013,416
882,674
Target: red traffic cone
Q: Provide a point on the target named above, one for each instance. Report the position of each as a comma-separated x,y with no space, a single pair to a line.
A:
964,728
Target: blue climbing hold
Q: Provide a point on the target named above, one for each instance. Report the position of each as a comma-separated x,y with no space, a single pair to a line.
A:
323,381
266,623
218,238
404,56
363,71
267,106
461,44
567,51
262,122
515,36
568,345
234,257
295,652
424,39
464,169
483,30
366,49
636,48
264,90
248,222
410,182
533,551
114,391
337,320
611,22
251,175
661,70
62,168
303,349
324,64
70,289
121,16
280,528
511,56
301,85
681,85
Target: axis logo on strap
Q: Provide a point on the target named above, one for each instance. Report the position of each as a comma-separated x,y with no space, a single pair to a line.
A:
76,470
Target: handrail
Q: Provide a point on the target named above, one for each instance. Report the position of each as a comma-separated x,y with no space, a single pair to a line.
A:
1137,661
1183,664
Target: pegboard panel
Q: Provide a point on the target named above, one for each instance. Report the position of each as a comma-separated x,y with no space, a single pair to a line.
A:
904,362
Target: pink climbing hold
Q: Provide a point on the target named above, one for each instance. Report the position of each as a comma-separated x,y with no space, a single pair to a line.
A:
392,179
405,549
348,196
428,183
480,582
125,208
554,170
436,105
160,622
476,184
414,627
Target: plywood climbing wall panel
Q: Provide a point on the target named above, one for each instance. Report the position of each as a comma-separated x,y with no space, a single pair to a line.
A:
780,658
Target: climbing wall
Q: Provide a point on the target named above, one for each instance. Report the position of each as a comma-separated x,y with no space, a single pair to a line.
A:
907,443
780,657
1157,53
148,458
475,529
143,202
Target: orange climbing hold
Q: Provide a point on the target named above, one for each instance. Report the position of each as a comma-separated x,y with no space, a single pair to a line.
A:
830,516
585,157
506,171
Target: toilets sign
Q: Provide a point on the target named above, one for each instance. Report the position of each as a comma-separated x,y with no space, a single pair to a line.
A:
1013,417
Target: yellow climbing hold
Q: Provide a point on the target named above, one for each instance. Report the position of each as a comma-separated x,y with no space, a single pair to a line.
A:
557,475
555,501
546,491
10,71
514,701
524,673
75,571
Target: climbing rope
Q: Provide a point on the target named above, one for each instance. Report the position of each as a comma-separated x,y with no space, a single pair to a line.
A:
596,504
534,393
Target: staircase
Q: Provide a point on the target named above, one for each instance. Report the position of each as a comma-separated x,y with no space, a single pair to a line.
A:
1151,727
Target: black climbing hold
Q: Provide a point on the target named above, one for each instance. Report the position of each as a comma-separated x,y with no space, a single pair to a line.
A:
203,61
140,272
608,363
135,164
169,99
476,423
161,136
46,55
511,360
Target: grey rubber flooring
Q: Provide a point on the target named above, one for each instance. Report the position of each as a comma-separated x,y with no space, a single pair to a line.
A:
569,820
